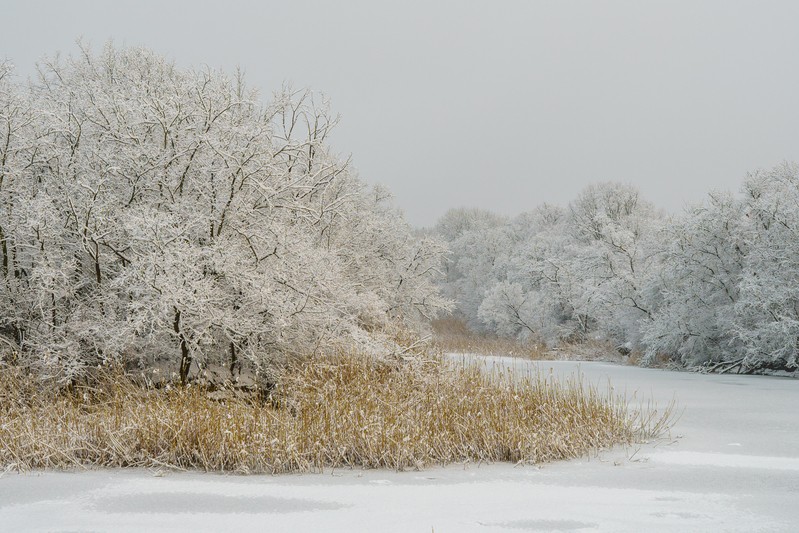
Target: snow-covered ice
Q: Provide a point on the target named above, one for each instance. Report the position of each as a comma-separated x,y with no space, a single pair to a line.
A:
731,464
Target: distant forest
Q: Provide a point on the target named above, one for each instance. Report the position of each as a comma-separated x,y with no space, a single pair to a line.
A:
715,287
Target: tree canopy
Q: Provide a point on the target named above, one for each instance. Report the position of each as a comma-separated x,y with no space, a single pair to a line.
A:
150,212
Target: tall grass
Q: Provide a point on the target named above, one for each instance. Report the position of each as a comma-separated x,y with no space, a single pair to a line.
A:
337,411
452,334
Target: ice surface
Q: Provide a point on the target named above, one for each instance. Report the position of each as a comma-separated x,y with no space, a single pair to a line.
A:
730,464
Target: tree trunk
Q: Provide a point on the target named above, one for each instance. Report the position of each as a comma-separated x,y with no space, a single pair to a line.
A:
233,360
185,357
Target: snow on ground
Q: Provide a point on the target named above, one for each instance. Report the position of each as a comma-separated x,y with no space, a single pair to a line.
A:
731,464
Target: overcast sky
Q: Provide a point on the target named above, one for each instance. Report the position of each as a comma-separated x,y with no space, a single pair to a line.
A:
500,105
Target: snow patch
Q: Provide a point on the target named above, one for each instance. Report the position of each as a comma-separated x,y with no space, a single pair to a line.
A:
726,460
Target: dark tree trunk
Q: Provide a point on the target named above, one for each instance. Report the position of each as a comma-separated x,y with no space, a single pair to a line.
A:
233,360
185,356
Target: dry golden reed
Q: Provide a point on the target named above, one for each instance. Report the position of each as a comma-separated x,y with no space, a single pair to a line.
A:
335,411
453,335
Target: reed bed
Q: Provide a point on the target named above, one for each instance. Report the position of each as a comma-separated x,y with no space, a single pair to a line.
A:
330,412
454,336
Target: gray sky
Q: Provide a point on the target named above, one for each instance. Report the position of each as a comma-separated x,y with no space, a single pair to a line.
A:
500,105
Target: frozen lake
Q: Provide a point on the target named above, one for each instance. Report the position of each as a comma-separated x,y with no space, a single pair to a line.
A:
731,464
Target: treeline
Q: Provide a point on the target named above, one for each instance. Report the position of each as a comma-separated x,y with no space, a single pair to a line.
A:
153,214
716,286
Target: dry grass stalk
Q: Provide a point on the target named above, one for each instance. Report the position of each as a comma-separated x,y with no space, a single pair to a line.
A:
338,411
452,335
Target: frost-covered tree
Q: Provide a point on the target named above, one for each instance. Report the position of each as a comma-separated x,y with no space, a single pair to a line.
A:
767,307
150,212
697,283
729,282
17,199
613,234
479,242
536,299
